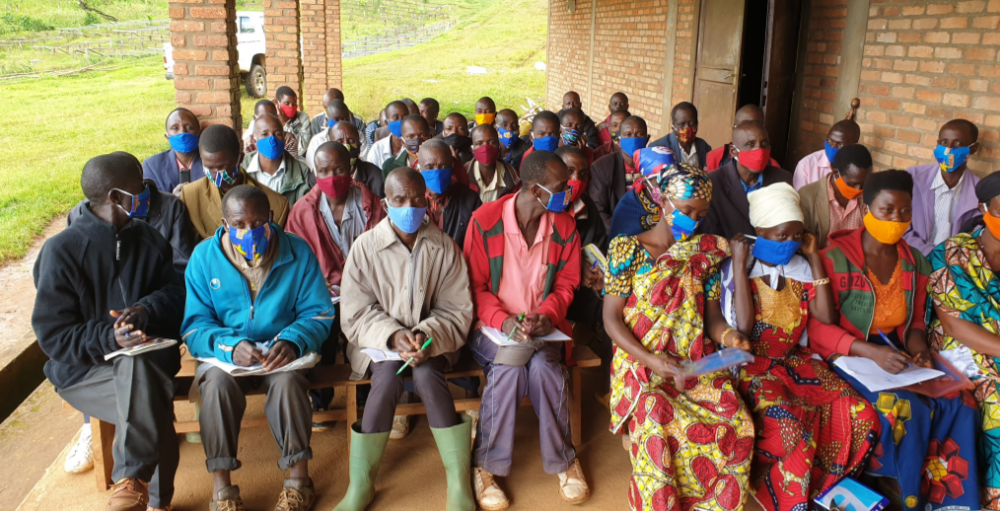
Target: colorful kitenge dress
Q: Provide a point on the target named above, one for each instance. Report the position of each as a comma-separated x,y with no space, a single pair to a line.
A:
963,285
812,427
690,449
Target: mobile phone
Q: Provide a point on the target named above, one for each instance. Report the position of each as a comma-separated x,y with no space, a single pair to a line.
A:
185,175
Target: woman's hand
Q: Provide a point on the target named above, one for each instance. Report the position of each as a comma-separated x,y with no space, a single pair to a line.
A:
923,359
889,359
736,339
740,247
810,244
667,368
520,331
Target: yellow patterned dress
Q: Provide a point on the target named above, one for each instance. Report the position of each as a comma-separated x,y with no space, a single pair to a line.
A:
690,449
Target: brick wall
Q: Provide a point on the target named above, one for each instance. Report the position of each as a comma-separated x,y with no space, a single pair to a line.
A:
281,30
569,56
206,70
926,63
321,50
684,51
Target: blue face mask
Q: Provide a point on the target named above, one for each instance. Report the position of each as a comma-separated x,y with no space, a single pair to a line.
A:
271,147
681,225
775,252
330,122
508,138
558,202
140,203
830,151
183,142
407,219
549,143
951,158
251,243
632,144
396,128
437,180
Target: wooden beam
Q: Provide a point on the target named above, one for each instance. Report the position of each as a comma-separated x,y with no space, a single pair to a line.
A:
21,377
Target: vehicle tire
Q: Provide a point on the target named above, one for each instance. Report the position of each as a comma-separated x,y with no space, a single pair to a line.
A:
256,81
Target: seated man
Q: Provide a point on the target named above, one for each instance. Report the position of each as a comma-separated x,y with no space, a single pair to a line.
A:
614,124
265,106
335,111
388,147
411,106
683,141
450,201
613,174
748,170
944,193
414,133
720,156
512,145
834,203
320,122
816,166
429,110
346,134
617,103
486,112
532,267
293,120
571,100
409,286
180,164
106,262
571,126
546,133
372,127
252,265
273,166
456,135
220,152
493,177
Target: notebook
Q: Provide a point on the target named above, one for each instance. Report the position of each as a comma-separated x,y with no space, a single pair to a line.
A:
306,362
876,379
150,345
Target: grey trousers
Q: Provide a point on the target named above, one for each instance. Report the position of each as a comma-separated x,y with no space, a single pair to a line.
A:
136,395
223,403
544,381
429,383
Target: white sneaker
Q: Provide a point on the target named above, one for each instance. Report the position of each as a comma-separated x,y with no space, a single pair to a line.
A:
474,415
81,456
400,427
572,485
488,494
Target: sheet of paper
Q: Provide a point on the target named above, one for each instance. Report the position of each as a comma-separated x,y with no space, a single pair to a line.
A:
306,362
334,300
150,345
500,338
876,379
381,356
962,359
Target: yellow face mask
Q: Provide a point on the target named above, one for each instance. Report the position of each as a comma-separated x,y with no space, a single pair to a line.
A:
485,118
885,231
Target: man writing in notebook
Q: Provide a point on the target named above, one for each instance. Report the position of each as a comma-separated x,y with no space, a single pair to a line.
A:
255,296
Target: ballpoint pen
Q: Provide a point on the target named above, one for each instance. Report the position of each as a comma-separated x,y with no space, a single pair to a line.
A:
422,348
519,319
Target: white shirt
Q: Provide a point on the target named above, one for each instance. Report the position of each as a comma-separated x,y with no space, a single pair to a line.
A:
379,152
272,181
945,200
690,158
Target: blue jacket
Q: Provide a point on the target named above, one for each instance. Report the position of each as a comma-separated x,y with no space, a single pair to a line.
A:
670,142
292,304
162,169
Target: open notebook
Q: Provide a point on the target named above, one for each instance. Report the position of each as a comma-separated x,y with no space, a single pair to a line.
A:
306,362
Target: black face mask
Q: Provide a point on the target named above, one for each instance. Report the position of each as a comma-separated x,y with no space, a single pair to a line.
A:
459,142
354,152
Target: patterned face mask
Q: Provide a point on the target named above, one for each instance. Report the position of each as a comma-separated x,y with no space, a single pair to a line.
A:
251,243
140,203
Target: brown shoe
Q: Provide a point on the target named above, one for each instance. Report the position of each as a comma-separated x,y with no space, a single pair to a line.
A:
488,494
129,494
297,495
573,485
228,499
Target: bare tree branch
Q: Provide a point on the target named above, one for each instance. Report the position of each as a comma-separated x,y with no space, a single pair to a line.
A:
88,8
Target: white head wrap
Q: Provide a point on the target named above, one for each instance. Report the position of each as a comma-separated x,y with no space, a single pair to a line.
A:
774,205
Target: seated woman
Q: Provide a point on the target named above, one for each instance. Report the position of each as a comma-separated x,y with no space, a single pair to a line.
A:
690,439
966,320
879,286
812,427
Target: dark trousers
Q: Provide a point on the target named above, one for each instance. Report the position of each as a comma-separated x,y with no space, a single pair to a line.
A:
136,395
321,398
587,308
223,402
387,387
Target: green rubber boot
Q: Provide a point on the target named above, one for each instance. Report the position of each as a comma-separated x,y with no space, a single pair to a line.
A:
366,456
455,446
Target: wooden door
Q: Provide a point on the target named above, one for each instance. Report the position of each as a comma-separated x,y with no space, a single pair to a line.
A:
779,72
717,68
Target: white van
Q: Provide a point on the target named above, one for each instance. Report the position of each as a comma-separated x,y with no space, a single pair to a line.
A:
250,47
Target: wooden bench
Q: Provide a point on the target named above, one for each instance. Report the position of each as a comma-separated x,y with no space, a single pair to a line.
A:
339,376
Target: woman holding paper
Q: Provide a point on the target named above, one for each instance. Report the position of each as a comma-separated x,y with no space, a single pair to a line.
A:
879,286
812,427
690,439
965,324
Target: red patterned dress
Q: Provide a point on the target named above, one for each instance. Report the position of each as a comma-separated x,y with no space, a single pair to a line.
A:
813,428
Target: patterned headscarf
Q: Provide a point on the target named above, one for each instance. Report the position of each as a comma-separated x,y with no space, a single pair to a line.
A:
682,181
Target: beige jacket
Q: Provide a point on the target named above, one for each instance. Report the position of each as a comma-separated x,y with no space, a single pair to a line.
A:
204,204
386,288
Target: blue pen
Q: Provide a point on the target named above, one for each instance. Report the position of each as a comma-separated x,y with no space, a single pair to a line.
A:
890,343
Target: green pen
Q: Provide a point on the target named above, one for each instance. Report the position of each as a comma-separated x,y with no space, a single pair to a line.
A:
519,319
422,348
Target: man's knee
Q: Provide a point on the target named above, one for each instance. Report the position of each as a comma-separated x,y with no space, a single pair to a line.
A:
428,377
218,383
289,383
544,366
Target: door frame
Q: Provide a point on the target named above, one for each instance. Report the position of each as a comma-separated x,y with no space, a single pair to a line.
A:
698,30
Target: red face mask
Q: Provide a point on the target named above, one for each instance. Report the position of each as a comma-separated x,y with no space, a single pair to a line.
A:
687,134
288,111
577,188
486,154
755,160
334,186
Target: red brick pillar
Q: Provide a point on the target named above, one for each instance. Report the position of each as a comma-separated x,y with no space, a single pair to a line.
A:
206,70
321,45
281,31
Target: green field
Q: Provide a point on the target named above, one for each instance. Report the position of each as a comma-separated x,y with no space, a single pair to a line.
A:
53,126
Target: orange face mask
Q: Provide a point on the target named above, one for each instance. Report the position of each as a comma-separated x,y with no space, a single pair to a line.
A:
848,192
885,231
992,223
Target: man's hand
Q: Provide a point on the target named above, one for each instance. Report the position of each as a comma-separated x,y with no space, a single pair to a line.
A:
593,278
246,354
810,244
405,342
281,354
177,190
891,360
420,356
541,325
740,247
667,368
128,326
521,329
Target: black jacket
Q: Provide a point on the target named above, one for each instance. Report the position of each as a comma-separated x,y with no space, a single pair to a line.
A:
729,210
517,150
462,201
88,270
607,184
169,216
592,228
